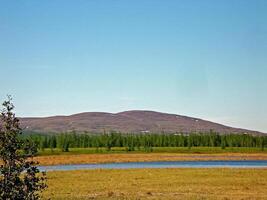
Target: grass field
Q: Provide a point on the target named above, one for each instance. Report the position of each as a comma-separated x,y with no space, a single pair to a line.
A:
109,158
82,156
210,184
206,150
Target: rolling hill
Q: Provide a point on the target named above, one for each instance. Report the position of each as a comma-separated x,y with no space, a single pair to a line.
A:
126,122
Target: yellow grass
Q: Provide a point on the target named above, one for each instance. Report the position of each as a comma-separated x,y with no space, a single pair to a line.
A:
201,184
106,158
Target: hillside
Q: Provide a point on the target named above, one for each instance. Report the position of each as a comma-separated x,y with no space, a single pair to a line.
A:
126,122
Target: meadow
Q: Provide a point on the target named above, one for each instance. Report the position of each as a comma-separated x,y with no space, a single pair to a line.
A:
215,184
119,154
123,150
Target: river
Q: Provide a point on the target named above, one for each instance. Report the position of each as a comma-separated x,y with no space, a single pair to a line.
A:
161,164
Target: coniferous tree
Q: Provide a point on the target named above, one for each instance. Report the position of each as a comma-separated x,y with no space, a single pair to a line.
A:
19,179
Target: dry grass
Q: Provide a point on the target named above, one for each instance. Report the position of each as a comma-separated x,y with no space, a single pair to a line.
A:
215,184
107,158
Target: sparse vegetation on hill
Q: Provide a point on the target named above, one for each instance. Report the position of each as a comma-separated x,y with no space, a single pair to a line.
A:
126,122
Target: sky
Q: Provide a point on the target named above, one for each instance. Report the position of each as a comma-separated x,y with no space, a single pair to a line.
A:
205,59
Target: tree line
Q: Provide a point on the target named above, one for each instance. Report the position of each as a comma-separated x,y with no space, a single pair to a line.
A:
133,142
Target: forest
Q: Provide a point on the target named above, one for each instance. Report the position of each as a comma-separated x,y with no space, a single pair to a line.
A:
133,142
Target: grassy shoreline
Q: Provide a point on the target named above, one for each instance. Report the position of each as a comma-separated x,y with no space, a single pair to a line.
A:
84,156
217,184
123,150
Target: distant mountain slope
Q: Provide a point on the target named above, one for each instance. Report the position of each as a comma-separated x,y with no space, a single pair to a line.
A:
126,122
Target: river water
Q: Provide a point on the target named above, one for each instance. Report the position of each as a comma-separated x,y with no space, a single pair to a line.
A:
162,164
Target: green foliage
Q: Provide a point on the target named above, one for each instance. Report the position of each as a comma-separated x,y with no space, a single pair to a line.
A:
147,142
19,179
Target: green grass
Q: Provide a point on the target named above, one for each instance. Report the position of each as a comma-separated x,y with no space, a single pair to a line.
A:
204,150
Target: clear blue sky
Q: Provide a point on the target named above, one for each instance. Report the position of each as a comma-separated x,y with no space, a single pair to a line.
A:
204,59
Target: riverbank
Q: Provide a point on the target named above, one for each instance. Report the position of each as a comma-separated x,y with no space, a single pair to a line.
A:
215,184
123,150
144,157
